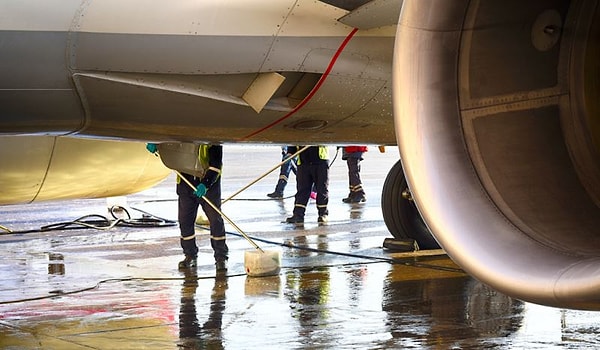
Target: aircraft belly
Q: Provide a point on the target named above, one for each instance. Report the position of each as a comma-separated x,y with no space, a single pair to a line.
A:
178,63
33,60
208,55
119,105
124,110
207,17
168,54
40,111
36,93
38,15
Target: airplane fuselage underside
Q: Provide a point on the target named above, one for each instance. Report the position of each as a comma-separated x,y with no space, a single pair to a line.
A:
104,69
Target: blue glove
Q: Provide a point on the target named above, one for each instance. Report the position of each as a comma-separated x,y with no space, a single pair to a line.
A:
200,191
151,147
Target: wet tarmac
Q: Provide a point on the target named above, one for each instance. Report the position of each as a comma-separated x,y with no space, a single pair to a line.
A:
75,287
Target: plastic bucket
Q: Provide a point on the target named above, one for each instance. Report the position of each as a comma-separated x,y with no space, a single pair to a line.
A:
265,263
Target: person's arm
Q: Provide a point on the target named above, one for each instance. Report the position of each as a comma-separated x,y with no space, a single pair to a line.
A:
215,164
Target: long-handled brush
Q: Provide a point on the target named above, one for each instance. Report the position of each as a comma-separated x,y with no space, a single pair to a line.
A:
287,159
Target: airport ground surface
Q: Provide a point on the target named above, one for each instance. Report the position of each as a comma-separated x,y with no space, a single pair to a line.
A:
119,288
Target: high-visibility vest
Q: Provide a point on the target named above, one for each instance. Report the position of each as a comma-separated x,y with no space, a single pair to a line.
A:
323,154
203,157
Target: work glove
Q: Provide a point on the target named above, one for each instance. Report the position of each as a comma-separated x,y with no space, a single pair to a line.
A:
200,191
151,147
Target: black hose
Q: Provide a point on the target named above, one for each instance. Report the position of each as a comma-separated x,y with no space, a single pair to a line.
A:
380,259
154,221
103,223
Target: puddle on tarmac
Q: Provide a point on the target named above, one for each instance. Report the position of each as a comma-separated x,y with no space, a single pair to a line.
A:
418,304
120,289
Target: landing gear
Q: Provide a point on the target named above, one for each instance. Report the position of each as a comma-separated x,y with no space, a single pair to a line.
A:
400,213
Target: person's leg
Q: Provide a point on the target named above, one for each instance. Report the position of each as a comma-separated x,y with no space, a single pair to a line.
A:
217,227
284,172
347,199
321,176
303,186
357,194
187,211
358,186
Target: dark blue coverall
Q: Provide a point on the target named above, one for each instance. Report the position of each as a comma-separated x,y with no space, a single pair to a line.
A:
312,169
188,207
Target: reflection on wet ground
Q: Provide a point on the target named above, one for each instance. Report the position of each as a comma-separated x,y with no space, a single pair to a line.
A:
338,289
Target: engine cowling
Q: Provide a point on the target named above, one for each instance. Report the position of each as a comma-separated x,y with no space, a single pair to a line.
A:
497,119
44,168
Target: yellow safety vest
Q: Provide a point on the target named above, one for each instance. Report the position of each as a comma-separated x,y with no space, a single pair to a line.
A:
323,154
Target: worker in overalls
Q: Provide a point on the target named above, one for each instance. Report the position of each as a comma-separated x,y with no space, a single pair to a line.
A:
353,155
284,173
313,169
208,185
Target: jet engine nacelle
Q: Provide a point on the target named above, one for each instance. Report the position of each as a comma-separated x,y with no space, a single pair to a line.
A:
42,168
498,122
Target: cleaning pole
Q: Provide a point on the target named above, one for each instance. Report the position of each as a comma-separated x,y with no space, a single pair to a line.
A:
256,264
220,213
288,159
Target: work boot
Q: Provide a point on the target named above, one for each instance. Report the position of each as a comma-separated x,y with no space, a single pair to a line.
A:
188,263
275,195
348,198
278,193
322,219
221,265
356,198
294,219
359,199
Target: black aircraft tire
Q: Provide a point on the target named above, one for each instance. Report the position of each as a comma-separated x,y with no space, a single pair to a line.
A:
401,215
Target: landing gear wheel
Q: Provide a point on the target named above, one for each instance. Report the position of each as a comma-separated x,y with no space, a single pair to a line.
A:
400,214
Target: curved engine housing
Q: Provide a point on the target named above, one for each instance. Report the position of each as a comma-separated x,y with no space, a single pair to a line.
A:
497,118
42,168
